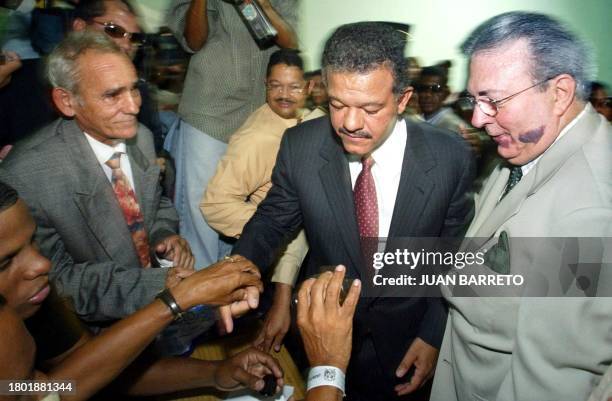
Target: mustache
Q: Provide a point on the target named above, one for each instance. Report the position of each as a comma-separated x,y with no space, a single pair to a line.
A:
358,134
284,99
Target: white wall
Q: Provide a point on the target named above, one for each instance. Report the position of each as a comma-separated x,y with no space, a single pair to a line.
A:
439,26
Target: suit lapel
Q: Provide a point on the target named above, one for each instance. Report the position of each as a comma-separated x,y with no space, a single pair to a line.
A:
415,185
146,180
569,144
494,214
94,196
336,179
488,198
506,208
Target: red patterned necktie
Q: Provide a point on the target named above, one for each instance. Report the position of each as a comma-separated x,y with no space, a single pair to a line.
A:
366,210
130,208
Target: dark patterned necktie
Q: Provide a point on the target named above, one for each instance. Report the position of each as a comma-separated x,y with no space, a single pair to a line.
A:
130,208
516,173
366,210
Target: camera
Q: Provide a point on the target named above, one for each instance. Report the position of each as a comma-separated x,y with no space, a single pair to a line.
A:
256,21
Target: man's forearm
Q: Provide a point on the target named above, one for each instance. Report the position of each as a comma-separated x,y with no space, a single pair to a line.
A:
166,375
227,213
286,38
100,360
196,25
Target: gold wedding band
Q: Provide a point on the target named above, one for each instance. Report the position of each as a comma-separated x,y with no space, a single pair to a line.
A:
230,258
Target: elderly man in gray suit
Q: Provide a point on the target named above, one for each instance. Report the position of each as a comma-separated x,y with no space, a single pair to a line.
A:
528,76
93,192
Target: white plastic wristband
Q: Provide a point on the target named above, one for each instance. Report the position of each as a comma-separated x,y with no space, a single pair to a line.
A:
325,376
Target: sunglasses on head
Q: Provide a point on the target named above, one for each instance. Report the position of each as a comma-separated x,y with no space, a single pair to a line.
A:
117,31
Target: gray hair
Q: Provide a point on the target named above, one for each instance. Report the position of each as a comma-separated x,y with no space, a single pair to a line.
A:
554,49
62,63
364,46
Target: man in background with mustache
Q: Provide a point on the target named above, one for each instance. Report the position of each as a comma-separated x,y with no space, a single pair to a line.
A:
243,175
364,172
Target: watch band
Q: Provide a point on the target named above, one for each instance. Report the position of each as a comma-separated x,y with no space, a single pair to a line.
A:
167,298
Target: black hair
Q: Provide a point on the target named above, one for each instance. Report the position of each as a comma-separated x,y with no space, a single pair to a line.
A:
290,57
595,86
435,71
87,10
364,46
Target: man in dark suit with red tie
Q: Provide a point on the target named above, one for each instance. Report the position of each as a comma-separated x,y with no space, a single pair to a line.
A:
368,174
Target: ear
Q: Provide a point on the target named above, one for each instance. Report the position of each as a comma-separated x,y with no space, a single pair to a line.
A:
564,90
79,24
404,98
309,86
65,101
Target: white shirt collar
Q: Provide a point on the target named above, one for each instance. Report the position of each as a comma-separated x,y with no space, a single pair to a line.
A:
529,166
391,151
103,151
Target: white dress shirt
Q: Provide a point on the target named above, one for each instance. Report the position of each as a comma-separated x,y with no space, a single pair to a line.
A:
387,171
104,152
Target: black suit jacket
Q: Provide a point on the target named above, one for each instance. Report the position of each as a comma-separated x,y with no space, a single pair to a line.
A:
312,187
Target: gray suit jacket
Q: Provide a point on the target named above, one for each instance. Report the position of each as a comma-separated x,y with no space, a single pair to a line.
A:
513,349
80,226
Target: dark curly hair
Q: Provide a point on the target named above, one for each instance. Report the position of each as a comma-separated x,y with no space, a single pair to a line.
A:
364,46
289,57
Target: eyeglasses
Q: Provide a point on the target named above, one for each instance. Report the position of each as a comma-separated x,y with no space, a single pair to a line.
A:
117,31
491,107
433,88
293,89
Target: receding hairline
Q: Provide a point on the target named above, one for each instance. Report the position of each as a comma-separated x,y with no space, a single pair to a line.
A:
92,53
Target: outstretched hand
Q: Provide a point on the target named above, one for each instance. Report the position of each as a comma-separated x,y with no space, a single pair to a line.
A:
230,280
